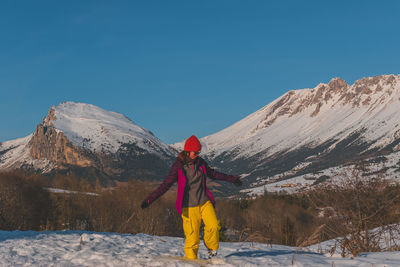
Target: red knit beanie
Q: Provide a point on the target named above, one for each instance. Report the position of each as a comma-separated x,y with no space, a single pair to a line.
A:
192,144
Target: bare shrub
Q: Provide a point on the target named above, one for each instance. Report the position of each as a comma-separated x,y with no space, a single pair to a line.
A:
274,218
357,204
24,204
119,210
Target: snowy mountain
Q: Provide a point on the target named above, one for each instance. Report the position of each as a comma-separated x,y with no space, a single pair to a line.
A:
309,135
301,139
89,140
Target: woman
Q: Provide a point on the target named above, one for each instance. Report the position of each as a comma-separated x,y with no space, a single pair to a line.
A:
194,202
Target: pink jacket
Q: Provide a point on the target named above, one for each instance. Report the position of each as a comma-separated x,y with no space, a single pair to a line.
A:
177,174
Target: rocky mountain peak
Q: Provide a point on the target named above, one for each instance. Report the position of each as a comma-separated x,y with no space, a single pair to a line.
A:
371,91
51,116
50,144
337,85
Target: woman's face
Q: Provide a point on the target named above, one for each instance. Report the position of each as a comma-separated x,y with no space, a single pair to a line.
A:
193,154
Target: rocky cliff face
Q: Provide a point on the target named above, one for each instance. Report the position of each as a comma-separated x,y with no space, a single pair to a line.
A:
48,143
51,144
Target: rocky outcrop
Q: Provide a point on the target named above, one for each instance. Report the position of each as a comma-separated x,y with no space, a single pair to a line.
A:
337,85
336,92
51,144
48,143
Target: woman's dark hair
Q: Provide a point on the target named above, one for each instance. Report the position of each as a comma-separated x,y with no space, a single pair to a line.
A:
183,157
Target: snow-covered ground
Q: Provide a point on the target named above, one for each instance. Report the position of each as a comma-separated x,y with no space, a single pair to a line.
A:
279,184
73,248
63,191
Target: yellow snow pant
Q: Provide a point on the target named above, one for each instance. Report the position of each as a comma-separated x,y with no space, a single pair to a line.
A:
192,217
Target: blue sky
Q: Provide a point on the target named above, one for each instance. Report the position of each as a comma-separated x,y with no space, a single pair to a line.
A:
183,67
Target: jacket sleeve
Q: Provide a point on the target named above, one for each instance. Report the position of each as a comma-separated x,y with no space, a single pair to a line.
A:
167,183
213,174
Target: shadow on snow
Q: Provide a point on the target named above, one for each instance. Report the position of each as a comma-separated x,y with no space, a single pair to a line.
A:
270,253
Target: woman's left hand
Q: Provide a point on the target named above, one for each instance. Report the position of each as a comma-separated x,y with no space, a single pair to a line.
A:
237,182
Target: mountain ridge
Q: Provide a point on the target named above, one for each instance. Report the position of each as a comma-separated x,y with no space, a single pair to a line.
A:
300,101
302,135
328,122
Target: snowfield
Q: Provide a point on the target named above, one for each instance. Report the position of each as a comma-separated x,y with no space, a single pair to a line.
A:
77,248
97,129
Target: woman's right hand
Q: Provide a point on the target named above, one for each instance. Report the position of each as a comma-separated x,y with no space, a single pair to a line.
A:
145,204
